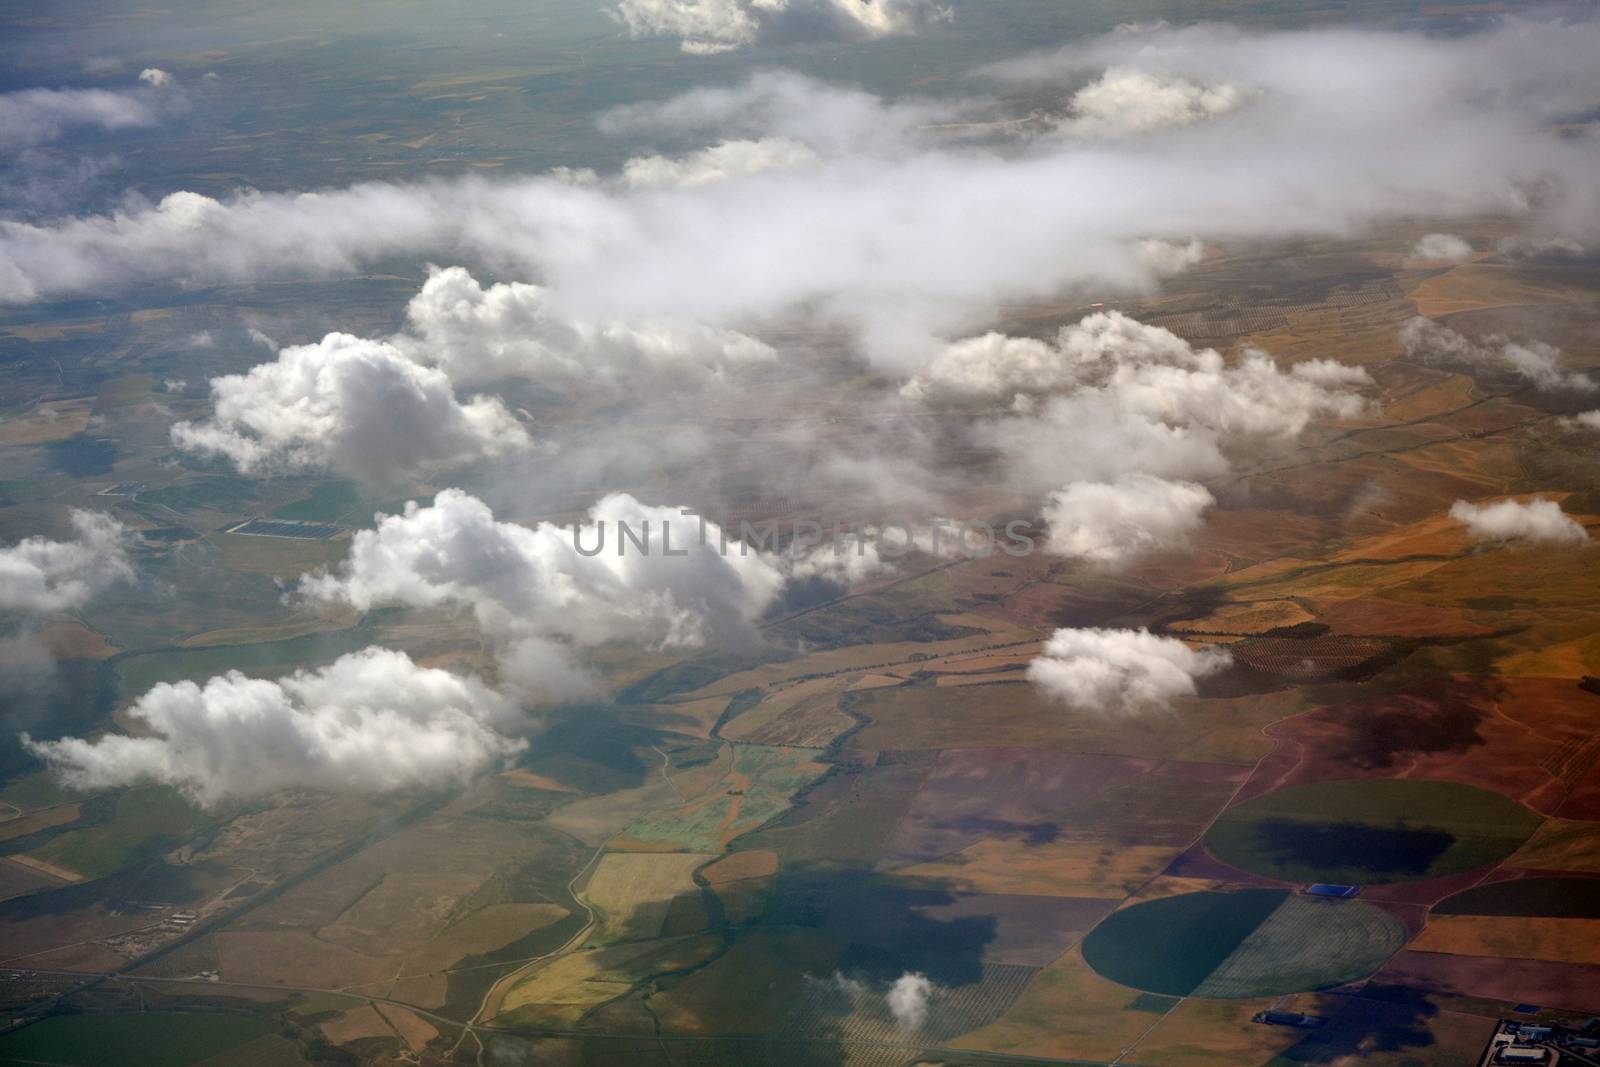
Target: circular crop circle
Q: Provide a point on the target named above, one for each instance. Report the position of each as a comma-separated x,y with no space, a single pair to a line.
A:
1249,943
1370,831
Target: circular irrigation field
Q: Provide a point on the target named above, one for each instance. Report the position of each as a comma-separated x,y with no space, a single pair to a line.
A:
1249,943
1370,830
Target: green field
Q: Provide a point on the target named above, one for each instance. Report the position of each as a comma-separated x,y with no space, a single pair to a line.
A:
1172,945
1249,943
146,821
1370,831
146,1039
1307,944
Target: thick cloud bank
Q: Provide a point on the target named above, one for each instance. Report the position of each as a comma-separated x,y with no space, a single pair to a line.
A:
535,594
1535,361
1537,521
39,576
1120,670
370,722
359,407
705,27
907,231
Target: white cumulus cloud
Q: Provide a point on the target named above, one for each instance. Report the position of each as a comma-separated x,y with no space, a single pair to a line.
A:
724,160
356,406
1538,521
38,575
534,593
370,722
908,1000
1115,522
1116,420
1124,101
510,329
1120,670
1442,248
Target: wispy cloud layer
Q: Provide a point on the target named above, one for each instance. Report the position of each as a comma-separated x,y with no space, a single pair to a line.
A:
905,232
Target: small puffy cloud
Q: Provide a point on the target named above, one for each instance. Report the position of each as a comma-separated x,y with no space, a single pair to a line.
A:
706,27
1121,670
511,329
1588,420
908,1000
727,159
155,77
1538,521
1442,248
355,406
1535,361
41,576
1126,101
1115,522
534,590
370,722
1167,258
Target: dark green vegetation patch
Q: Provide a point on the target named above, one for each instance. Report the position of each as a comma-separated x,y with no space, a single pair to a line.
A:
1553,898
1374,830
1251,943
145,1039
1172,945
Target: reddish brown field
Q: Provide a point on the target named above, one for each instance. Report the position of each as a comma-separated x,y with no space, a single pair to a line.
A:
1525,738
1388,618
1008,792
1573,986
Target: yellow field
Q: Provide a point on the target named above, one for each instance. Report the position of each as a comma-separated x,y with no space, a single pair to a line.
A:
805,714
632,891
413,1029
1058,868
356,1024
1246,617
1561,845
1473,286
1513,936
292,958
868,658
483,931
54,420
1067,1012
1219,1033
34,821
559,992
